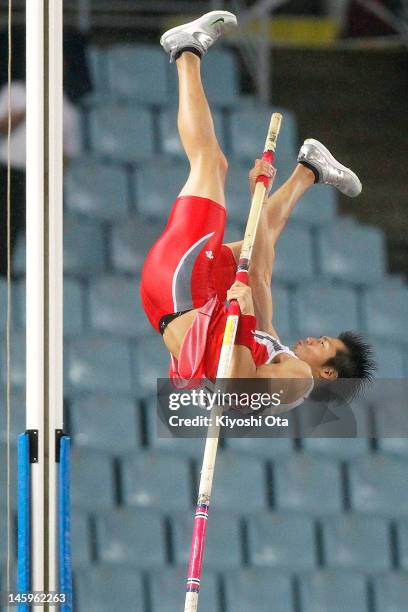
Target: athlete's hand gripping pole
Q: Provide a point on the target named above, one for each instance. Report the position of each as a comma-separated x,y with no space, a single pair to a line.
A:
210,452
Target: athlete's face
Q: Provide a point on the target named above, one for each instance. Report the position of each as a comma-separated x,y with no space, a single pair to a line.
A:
316,352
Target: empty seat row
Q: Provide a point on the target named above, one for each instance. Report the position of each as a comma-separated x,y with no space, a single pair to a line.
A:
301,482
123,132
102,587
282,541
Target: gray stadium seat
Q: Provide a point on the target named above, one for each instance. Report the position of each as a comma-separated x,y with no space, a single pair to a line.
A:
150,362
356,542
323,309
317,206
17,308
378,484
18,415
113,306
258,589
92,480
169,139
238,478
391,592
238,197
131,240
98,364
131,536
157,185
223,544
105,422
81,540
167,588
335,591
150,478
351,252
84,251
248,128
386,311
105,588
139,72
308,484
402,531
294,255
282,320
121,132
282,541
336,448
96,189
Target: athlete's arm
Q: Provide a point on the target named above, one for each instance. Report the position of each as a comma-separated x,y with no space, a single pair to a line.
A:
242,364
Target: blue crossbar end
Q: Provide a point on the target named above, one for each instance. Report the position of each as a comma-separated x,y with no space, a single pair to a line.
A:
65,557
23,532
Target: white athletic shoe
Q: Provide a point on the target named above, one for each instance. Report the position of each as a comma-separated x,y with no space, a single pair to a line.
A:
199,34
329,170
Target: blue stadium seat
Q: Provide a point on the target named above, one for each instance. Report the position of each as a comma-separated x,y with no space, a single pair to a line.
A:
386,311
157,185
169,139
258,589
96,60
105,422
294,255
308,484
105,588
16,306
238,197
356,542
335,591
239,478
220,78
266,448
393,446
73,307
112,302
121,132
18,360
81,540
317,206
138,72
390,360
282,541
18,416
98,364
183,447
223,544
149,478
391,592
150,362
92,480
132,238
96,189
378,484
84,250
131,536
351,252
402,531
323,309
248,129
3,534
336,448
167,588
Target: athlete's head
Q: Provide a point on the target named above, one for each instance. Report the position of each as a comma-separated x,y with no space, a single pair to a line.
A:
347,356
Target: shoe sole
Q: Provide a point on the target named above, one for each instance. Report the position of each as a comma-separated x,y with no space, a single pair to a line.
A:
326,153
217,14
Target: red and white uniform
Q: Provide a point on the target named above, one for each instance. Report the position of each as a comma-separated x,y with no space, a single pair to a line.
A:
189,267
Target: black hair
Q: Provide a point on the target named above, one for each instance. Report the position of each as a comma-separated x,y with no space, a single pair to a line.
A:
356,362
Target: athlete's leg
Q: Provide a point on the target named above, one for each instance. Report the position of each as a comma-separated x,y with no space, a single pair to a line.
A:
208,165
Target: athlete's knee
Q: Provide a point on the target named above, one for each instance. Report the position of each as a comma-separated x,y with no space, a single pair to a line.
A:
212,159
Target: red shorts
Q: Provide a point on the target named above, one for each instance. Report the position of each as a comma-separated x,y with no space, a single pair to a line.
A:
188,264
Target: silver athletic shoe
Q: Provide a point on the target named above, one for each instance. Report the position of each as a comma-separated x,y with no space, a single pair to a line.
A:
199,34
330,171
